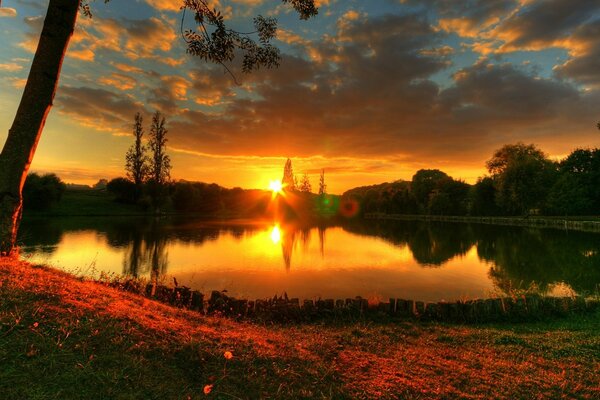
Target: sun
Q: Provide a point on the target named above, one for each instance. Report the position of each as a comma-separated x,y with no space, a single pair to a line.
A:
276,186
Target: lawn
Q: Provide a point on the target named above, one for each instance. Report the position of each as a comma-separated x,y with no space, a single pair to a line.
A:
64,338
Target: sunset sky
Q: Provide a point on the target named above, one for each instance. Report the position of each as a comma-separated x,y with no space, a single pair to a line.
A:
371,91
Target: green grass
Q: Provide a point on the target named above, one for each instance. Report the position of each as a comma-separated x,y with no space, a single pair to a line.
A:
64,338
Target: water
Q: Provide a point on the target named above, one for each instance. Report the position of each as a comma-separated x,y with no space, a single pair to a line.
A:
377,259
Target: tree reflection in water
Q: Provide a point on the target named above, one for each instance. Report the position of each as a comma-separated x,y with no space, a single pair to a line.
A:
518,257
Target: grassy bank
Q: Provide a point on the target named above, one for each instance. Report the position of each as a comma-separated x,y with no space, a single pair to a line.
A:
64,338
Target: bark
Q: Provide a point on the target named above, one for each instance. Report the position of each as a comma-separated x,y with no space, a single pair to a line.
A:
29,121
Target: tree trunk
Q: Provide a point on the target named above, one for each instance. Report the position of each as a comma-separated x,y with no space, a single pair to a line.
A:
28,124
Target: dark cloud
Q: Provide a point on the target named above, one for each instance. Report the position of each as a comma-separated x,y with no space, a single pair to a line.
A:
584,66
98,108
543,22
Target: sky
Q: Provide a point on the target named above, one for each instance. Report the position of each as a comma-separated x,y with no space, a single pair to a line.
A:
370,91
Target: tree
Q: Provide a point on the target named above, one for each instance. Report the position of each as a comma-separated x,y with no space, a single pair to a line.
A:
288,181
322,185
215,43
577,190
160,162
136,161
483,198
522,175
305,185
424,182
41,192
123,189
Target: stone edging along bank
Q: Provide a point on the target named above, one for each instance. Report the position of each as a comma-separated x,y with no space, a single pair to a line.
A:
530,307
559,223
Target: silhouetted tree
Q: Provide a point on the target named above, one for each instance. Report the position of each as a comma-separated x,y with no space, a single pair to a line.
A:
123,189
523,175
424,182
41,192
322,185
160,162
577,190
289,180
136,161
220,47
483,198
305,185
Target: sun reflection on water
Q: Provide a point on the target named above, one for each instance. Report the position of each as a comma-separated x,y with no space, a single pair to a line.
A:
276,234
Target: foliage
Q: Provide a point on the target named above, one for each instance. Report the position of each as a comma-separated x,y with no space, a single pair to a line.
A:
322,185
124,190
482,198
288,181
305,185
41,192
424,182
217,43
160,162
136,160
577,190
523,175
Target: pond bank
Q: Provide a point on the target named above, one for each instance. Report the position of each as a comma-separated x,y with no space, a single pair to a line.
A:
585,225
62,337
283,309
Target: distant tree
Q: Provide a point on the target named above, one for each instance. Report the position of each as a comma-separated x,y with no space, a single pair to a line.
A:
424,182
577,190
322,185
305,185
136,161
160,162
482,198
41,192
123,189
288,181
101,184
523,176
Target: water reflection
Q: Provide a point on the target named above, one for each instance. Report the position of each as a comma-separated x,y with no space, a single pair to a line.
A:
426,260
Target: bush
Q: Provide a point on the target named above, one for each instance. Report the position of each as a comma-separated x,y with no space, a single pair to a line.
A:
123,189
41,192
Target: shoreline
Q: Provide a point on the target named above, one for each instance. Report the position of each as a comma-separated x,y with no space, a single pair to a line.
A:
574,223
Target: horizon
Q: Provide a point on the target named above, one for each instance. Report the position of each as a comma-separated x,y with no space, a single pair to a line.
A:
370,92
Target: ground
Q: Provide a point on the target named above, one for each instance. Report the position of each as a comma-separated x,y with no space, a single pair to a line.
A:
65,338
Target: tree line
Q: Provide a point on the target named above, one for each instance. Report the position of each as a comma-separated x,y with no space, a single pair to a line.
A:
290,181
522,180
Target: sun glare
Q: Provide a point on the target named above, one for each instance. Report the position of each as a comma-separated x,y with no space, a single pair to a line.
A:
276,234
275,186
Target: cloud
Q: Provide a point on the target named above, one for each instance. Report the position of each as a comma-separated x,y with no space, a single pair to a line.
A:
10,67
584,66
145,38
119,81
6,12
544,23
98,108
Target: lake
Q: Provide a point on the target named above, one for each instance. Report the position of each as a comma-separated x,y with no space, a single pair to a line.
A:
373,259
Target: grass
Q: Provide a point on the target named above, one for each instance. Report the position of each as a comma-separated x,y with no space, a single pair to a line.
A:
64,338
